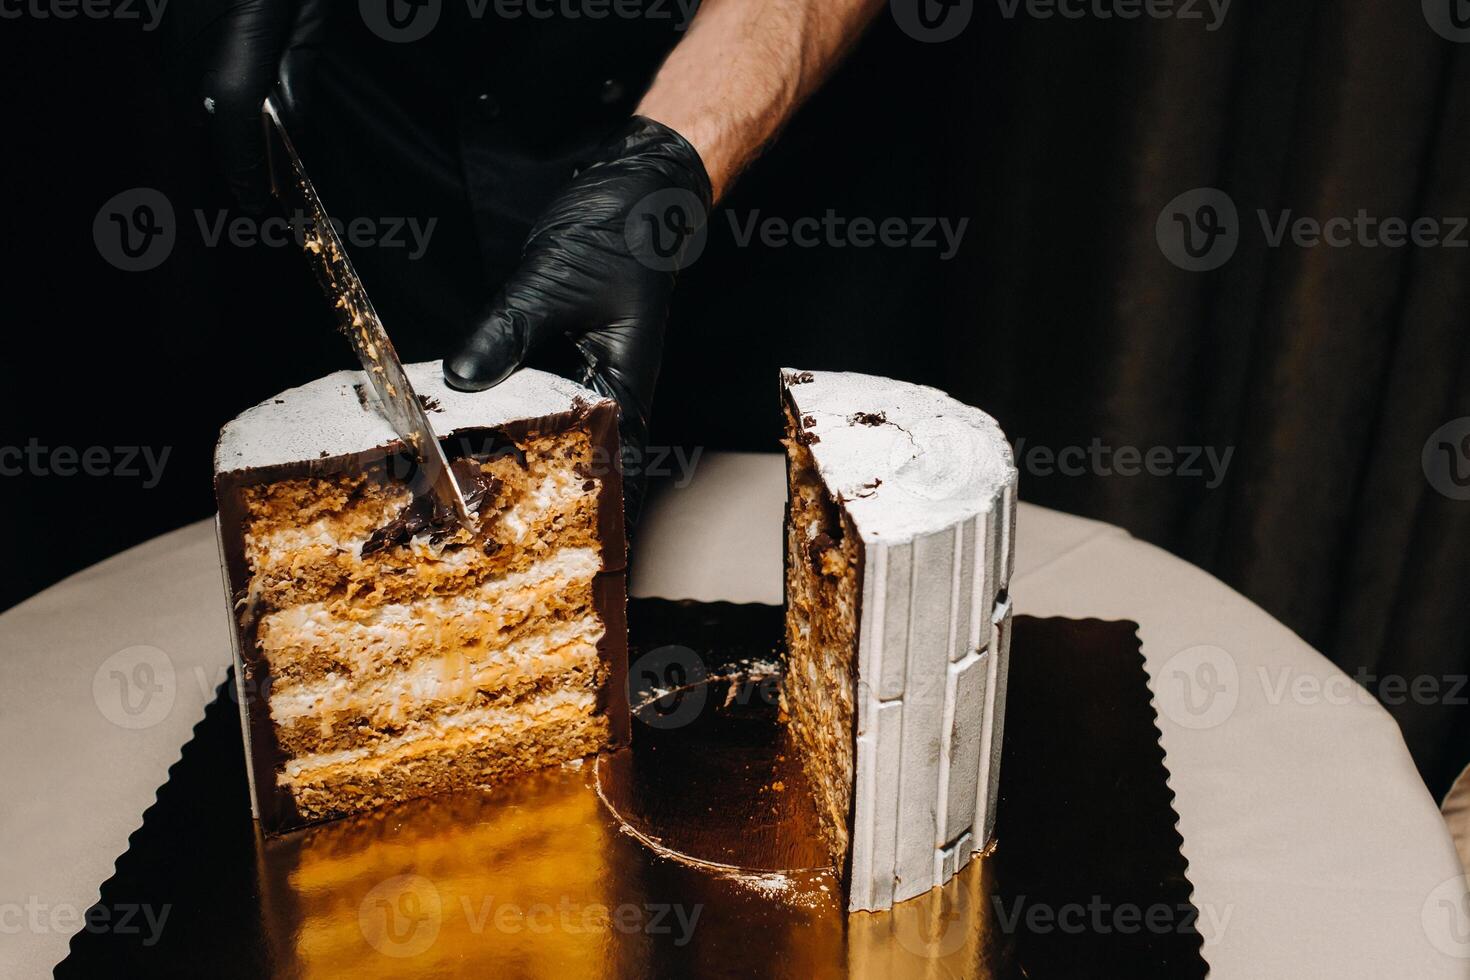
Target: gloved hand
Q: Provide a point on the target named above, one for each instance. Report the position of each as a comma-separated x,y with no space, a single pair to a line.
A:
244,49
598,270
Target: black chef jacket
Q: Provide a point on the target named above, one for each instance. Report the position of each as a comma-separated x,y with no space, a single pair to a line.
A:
475,125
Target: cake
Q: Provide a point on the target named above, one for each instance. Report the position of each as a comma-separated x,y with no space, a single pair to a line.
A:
899,544
382,650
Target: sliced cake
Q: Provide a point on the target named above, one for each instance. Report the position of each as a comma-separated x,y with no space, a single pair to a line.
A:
899,549
383,651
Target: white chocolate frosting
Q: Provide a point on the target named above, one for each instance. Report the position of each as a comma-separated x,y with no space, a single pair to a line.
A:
327,417
928,464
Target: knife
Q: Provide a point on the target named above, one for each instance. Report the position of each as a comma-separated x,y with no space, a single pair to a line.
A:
358,320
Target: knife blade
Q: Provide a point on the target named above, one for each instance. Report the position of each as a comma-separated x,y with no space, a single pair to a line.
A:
356,318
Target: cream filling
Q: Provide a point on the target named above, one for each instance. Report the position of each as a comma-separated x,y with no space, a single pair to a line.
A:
446,678
470,726
552,493
564,569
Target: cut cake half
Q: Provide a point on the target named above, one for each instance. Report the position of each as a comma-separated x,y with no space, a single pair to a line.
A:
899,544
382,652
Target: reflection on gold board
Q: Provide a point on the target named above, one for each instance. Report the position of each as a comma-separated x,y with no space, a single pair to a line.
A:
538,880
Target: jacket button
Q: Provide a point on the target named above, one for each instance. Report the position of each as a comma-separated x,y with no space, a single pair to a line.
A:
612,91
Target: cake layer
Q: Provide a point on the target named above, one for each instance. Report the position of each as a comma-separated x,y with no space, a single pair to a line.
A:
343,716
291,566
307,642
475,748
821,642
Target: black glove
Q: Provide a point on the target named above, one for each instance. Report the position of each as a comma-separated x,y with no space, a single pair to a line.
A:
244,49
598,269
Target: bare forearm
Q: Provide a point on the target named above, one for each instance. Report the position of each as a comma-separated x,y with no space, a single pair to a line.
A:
742,70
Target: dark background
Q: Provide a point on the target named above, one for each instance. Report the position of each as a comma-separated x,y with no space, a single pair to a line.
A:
1061,141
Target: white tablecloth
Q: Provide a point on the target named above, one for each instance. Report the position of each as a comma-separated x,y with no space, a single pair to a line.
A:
1313,847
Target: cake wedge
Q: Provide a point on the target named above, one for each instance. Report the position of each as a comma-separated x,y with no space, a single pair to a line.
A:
384,652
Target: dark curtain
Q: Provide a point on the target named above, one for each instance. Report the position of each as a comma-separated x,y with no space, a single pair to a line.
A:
1326,368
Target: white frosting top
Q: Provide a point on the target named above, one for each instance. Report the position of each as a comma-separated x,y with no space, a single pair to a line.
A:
928,464
326,417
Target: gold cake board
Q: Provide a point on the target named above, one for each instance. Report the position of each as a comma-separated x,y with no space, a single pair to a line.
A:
691,854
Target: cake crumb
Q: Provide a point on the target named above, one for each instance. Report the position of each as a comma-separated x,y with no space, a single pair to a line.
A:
804,378
868,418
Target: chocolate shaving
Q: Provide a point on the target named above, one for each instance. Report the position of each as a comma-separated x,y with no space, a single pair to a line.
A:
430,404
868,418
808,422
425,513
807,438
804,378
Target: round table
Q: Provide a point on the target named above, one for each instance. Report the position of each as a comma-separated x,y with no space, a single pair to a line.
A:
1313,846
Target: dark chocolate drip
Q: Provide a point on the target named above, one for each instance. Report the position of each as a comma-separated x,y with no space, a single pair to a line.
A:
427,513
